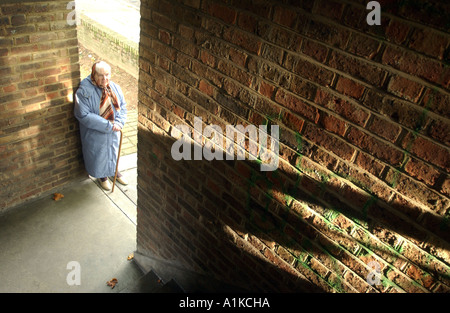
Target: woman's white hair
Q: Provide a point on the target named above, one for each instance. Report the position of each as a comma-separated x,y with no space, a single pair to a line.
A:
102,65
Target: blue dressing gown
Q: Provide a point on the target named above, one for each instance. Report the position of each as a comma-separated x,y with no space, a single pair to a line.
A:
100,143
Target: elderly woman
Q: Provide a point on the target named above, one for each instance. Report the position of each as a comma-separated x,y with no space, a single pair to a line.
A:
101,110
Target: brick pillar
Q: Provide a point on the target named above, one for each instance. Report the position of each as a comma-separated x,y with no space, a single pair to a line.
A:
39,140
360,199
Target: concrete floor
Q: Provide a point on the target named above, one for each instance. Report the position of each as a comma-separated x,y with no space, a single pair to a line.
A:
93,227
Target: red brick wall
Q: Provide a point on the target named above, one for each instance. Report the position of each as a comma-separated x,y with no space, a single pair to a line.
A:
363,112
39,145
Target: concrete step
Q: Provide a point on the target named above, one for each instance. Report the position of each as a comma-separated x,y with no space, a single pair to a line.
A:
188,281
170,287
152,283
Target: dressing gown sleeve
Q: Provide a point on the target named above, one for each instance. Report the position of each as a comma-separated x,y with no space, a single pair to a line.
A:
120,117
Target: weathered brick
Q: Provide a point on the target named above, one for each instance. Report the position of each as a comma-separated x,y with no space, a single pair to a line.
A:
346,109
398,111
24,49
226,14
331,9
207,58
415,64
384,128
315,50
440,131
405,88
327,33
319,136
363,46
293,122
422,171
272,53
285,38
302,88
247,22
48,72
379,149
354,16
429,42
357,68
370,164
5,20
284,16
235,72
296,105
17,20
244,40
332,123
231,87
437,102
397,31
10,88
266,89
445,189
164,21
415,190
12,9
313,72
206,88
237,56
420,257
428,151
350,88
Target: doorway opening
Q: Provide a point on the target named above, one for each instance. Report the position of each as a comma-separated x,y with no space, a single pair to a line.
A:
109,31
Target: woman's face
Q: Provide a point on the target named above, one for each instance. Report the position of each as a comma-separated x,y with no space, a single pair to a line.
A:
102,77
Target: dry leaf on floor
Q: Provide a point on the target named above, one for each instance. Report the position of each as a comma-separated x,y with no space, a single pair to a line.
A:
112,283
57,196
130,256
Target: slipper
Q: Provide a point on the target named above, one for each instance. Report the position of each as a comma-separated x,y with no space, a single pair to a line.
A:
122,180
105,184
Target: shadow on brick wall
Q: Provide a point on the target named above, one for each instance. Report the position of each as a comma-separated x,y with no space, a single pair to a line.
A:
278,231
